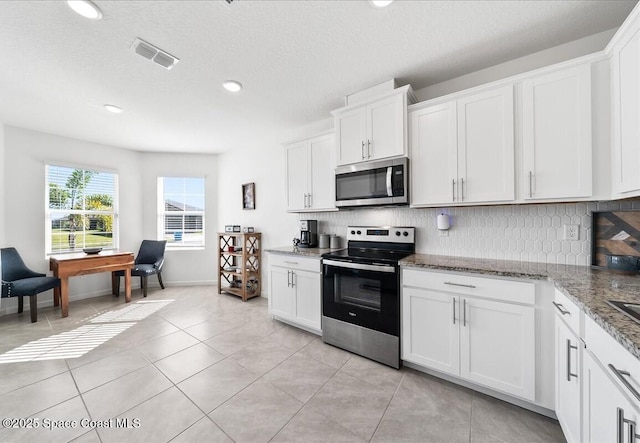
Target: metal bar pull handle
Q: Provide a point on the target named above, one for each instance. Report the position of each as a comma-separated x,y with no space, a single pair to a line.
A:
464,312
310,200
453,189
561,308
530,184
621,376
291,262
619,425
288,279
362,150
293,278
459,284
462,192
569,348
368,148
454,310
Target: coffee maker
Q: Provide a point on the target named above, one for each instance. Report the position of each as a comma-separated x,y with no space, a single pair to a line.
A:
308,234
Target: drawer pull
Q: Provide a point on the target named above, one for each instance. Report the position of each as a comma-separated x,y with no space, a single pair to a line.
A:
291,262
621,376
454,311
459,284
561,308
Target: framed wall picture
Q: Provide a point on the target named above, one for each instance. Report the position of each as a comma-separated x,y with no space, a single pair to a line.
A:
249,196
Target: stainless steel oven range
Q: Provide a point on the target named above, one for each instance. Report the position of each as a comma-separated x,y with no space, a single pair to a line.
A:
361,292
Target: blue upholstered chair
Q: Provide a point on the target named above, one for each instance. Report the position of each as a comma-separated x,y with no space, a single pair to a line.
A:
149,261
18,281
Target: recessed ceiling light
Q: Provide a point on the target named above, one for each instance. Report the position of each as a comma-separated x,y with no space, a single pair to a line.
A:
232,85
380,3
113,108
86,9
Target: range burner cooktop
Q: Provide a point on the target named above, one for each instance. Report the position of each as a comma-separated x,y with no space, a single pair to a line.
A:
376,244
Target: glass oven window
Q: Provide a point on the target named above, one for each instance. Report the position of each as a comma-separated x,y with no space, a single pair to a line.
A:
361,185
358,291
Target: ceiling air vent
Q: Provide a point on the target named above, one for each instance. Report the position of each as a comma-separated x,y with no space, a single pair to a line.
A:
155,54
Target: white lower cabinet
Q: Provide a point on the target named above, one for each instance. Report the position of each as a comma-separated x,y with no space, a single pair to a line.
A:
569,378
610,415
295,290
488,342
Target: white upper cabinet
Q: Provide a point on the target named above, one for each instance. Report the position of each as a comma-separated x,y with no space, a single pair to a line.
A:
462,151
625,79
556,135
372,130
310,174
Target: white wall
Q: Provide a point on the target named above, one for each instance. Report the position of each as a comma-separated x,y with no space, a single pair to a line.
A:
26,154
182,267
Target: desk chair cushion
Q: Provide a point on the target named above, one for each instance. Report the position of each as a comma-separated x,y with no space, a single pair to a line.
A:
29,286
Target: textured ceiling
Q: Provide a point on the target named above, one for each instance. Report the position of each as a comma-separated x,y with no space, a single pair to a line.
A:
296,59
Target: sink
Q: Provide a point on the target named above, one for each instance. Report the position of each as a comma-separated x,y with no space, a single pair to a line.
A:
632,310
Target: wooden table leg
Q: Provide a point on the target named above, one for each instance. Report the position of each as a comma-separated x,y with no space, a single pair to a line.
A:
56,296
127,285
64,296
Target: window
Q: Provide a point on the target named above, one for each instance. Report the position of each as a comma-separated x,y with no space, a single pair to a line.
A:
181,211
81,209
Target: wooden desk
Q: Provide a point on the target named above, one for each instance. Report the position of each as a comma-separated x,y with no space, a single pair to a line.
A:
68,265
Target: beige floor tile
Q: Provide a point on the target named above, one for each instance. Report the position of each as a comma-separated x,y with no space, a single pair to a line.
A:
300,376
123,393
17,375
292,337
60,423
88,437
210,328
257,413
310,427
327,354
232,341
495,420
262,356
37,397
373,373
166,345
102,371
204,431
188,362
216,384
160,419
353,403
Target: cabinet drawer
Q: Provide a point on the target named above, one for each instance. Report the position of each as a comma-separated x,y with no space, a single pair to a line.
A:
569,312
295,262
504,290
609,352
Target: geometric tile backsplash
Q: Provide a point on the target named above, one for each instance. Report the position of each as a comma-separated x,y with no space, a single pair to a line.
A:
512,232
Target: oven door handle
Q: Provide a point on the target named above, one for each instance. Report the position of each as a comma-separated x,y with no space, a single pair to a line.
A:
362,266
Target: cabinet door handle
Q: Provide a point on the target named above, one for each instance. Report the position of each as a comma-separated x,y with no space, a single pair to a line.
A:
454,310
462,193
464,312
561,308
569,348
621,376
293,279
362,150
530,184
368,148
453,189
288,279
450,283
310,200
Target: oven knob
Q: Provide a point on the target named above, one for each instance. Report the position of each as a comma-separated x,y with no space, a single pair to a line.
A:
359,232
398,233
405,233
353,232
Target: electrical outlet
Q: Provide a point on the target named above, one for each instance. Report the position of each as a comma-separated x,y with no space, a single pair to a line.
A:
571,232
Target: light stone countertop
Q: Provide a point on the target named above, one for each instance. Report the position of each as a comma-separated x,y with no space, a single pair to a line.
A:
589,288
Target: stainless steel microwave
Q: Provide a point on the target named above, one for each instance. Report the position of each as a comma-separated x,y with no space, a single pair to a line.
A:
376,183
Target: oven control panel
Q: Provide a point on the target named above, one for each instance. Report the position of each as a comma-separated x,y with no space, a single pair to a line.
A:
394,234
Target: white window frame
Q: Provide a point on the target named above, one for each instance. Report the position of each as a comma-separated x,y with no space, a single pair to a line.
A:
162,213
50,212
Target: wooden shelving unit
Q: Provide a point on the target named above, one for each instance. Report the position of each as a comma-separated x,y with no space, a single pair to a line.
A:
239,264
